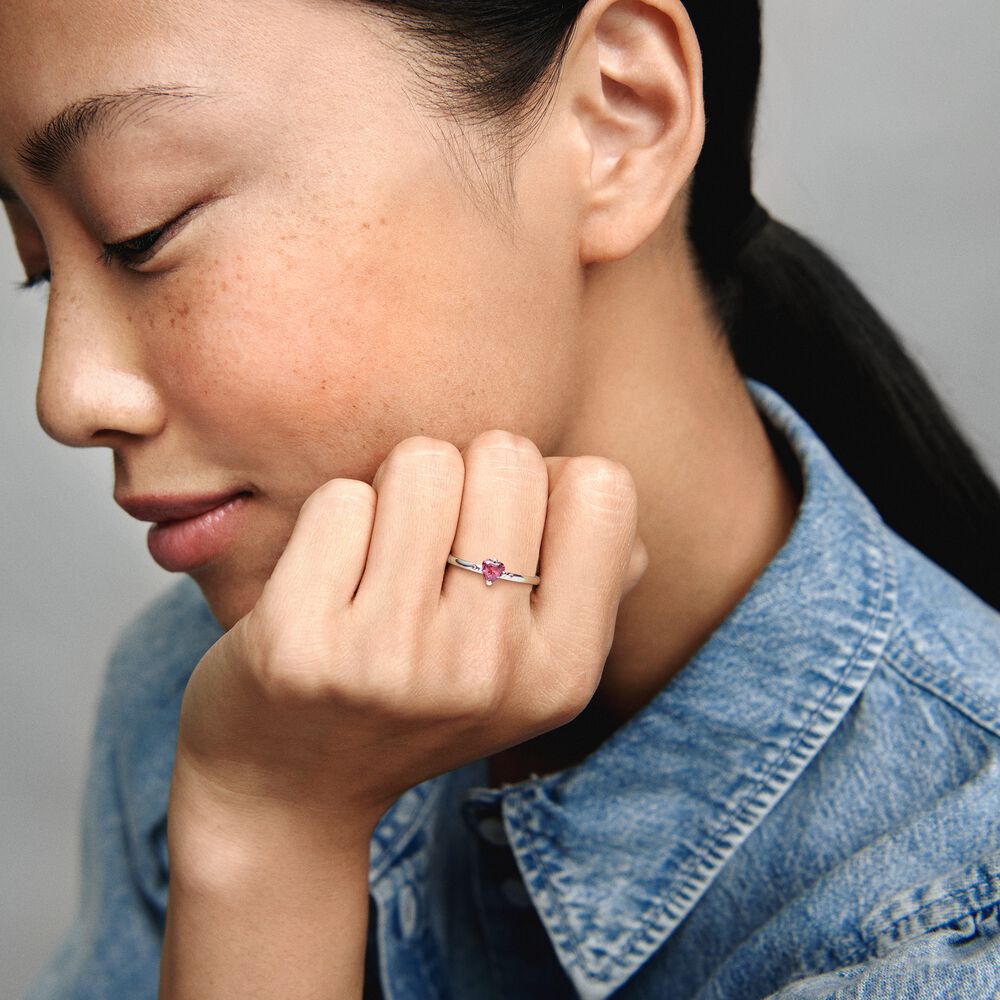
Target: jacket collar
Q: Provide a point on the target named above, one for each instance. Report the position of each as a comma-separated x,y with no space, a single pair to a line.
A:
617,850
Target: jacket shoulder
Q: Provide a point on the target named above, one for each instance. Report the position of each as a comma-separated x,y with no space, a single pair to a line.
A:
946,640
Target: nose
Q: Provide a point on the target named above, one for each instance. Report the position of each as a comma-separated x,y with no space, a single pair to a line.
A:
93,388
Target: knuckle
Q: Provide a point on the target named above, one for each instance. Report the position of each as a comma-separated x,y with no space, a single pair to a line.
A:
502,622
423,457
578,653
301,675
574,701
291,664
338,493
473,696
478,698
569,691
422,446
505,451
603,483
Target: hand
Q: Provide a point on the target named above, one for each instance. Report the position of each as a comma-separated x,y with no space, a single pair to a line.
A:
369,665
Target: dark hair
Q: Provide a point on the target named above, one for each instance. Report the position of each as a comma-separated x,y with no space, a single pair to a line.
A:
793,318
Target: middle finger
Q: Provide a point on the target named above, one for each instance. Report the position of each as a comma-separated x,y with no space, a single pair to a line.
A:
504,500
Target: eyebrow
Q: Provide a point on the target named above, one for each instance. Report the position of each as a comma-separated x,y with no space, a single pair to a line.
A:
46,150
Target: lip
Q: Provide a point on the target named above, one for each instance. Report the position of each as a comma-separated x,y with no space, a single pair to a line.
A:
188,531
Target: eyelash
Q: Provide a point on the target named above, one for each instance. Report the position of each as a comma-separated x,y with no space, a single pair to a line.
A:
125,253
42,278
149,243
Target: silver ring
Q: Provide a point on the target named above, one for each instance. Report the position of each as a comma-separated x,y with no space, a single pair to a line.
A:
492,570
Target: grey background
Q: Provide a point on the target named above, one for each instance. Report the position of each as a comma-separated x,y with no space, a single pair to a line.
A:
879,136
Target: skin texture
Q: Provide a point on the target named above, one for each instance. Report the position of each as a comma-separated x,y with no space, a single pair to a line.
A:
328,305
355,308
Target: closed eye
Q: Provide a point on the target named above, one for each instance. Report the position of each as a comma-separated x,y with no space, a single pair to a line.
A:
141,249
133,252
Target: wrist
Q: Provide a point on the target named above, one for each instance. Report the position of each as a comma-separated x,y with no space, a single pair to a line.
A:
263,892
219,840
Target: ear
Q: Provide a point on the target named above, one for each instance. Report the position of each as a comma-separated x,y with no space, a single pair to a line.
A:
632,82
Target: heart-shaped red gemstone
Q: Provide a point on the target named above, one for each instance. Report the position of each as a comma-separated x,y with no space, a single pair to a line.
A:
493,569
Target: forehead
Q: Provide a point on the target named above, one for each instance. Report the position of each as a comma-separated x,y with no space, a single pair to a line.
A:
54,55
52,52
57,53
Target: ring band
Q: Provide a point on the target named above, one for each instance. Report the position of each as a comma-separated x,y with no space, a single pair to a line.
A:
492,570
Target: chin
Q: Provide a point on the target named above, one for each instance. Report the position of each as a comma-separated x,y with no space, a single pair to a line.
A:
233,583
228,601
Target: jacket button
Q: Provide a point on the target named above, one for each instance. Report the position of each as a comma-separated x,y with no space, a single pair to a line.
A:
491,829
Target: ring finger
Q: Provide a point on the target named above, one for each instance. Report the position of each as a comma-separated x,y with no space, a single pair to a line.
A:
502,517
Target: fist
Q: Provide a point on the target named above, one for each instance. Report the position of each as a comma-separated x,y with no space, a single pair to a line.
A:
370,664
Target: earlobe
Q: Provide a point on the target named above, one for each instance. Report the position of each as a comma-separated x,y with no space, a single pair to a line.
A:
633,74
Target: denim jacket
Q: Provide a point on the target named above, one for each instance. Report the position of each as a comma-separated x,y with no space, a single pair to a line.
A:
809,810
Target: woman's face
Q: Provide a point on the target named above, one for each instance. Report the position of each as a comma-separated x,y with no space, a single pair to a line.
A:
338,277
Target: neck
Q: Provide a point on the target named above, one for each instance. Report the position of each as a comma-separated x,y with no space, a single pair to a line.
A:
663,397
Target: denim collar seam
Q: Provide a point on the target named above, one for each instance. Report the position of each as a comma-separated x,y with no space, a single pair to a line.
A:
966,901
967,893
539,878
658,920
906,661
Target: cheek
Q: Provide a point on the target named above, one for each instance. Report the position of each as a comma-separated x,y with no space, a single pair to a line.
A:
334,357
253,346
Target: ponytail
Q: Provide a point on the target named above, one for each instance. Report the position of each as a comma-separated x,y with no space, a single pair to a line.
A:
797,323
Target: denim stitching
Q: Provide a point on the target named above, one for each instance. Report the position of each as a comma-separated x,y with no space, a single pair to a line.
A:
808,735
694,876
955,894
952,691
873,931
552,909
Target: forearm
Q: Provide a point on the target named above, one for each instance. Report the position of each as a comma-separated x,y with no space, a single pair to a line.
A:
263,905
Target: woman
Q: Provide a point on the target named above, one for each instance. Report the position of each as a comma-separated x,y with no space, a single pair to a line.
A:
466,296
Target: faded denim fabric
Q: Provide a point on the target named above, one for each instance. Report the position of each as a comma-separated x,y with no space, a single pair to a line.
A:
808,811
